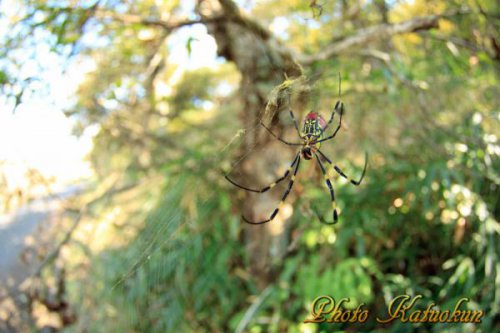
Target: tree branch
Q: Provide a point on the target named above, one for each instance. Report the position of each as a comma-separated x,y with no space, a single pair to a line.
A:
379,32
138,19
383,31
371,34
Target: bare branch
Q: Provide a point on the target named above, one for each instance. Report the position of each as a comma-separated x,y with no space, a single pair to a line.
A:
364,36
67,237
138,19
379,32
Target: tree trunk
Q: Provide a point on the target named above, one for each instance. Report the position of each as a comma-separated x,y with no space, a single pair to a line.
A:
263,66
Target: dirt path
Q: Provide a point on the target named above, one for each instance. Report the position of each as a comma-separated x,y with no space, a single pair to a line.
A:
24,224
14,228
17,226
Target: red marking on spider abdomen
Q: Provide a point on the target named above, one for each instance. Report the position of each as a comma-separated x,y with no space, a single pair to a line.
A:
316,116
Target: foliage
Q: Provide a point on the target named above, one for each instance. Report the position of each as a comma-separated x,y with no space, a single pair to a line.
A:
425,220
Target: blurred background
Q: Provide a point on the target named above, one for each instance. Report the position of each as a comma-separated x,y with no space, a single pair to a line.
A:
119,120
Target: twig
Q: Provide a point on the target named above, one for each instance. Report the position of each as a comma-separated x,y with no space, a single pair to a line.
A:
138,19
55,252
253,309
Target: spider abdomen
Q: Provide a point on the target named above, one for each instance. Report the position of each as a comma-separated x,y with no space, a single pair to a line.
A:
312,131
314,125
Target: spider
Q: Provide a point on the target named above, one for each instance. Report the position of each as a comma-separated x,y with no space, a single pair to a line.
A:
312,135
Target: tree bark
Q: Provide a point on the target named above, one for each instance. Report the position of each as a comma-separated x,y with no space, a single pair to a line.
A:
263,65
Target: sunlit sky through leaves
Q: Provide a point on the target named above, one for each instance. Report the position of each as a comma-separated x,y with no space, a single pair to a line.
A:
38,134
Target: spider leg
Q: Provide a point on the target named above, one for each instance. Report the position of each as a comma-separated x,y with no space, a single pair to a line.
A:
332,194
283,198
340,172
295,122
339,103
267,188
336,108
354,182
277,137
324,156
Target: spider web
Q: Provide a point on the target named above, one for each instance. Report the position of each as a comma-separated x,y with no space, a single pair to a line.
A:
280,95
156,239
171,221
169,226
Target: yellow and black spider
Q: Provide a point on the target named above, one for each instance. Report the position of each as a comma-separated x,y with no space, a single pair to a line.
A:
312,135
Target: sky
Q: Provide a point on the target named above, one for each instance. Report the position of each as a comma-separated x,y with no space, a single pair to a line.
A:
38,134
